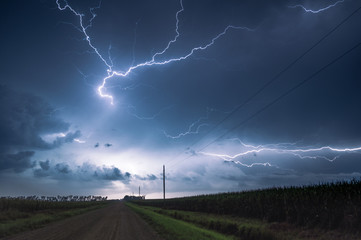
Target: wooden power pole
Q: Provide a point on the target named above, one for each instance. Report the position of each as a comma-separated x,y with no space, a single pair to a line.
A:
163,182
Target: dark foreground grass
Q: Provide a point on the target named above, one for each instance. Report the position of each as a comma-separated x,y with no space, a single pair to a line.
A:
19,216
174,229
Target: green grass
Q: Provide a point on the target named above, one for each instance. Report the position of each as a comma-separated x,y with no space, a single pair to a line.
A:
174,229
13,220
238,227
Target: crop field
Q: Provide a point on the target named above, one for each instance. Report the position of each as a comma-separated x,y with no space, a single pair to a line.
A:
328,206
177,224
18,215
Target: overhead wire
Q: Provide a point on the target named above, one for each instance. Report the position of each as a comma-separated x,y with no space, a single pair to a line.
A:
269,83
277,99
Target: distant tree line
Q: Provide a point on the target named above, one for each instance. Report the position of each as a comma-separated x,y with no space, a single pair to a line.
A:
69,198
132,198
34,204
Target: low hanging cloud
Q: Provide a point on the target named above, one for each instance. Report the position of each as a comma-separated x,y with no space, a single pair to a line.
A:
68,138
84,172
112,174
62,168
45,165
149,177
24,118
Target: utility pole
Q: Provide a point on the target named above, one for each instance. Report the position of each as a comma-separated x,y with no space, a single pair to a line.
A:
139,191
164,183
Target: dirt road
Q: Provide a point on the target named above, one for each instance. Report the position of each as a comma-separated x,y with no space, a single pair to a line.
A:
110,223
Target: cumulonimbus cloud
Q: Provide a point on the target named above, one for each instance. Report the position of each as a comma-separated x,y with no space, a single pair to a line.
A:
24,118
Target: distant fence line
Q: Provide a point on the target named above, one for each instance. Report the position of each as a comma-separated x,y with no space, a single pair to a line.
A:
69,198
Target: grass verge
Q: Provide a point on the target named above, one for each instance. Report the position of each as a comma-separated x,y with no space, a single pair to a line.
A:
239,227
225,225
174,229
250,229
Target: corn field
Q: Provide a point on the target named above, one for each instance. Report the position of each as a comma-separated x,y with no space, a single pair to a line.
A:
334,205
25,205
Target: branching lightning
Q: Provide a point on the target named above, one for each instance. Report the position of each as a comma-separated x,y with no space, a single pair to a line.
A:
267,164
284,148
318,10
112,73
189,131
131,111
194,127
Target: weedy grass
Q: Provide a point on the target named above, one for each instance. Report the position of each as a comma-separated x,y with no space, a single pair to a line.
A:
174,229
247,229
238,228
22,215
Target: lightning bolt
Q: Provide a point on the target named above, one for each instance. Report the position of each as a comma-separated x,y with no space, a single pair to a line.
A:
85,76
134,86
194,128
135,41
316,157
112,73
316,11
189,132
267,164
132,113
281,148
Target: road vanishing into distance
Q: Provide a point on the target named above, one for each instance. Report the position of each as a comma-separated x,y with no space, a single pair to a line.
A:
115,221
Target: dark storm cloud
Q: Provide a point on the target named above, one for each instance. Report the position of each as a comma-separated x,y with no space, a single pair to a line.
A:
43,171
112,174
85,172
45,165
19,162
62,168
24,119
68,138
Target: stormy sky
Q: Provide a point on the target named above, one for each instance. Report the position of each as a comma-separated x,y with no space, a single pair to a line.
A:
230,95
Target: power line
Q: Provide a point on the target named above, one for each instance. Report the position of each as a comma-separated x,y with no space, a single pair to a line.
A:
279,98
263,87
278,75
285,94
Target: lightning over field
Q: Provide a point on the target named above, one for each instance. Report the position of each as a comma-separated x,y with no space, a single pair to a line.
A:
96,96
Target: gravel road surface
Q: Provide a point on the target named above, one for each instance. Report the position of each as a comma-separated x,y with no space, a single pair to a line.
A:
110,223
